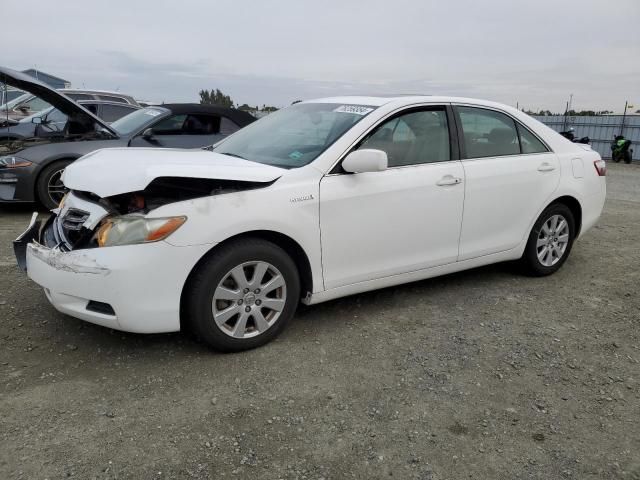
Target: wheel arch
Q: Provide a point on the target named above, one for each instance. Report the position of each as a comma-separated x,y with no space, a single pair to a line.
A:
44,164
576,209
288,244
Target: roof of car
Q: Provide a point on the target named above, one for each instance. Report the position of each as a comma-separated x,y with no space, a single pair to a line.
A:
404,99
87,90
239,117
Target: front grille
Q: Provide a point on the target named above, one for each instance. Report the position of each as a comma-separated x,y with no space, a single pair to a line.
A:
74,218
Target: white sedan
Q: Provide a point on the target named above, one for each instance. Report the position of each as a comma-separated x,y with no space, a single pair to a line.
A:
322,199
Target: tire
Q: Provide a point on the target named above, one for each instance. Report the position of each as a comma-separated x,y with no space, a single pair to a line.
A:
540,261
627,157
49,177
217,304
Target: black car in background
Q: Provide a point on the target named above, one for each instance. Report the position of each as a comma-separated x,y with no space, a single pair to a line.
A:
31,167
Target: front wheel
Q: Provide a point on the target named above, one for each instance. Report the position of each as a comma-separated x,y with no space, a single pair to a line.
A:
550,241
627,157
243,295
49,187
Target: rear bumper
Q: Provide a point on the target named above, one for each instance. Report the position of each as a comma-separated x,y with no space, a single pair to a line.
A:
141,283
592,206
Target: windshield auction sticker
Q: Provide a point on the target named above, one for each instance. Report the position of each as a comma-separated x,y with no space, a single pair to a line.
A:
153,113
355,109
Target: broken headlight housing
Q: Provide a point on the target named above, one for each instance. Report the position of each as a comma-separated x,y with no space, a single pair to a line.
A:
134,229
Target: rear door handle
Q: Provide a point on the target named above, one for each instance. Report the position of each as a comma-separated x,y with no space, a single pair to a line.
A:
546,167
448,180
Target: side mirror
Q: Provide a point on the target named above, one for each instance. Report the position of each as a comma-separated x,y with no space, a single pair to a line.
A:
37,120
365,160
148,134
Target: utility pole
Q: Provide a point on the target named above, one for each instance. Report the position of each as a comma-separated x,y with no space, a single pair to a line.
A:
566,112
624,115
564,123
570,100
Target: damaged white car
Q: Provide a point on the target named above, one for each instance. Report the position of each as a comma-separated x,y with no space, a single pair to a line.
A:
320,200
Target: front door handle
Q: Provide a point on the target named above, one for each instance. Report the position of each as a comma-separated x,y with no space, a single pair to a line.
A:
448,180
546,167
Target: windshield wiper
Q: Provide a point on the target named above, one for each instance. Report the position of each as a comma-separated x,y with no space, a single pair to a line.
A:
233,155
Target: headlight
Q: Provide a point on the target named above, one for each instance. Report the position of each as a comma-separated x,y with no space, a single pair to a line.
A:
129,230
13,162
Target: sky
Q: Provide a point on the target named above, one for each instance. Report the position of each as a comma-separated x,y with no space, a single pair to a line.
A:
533,53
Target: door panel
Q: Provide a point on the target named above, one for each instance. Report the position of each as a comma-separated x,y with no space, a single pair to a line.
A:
502,196
505,190
391,222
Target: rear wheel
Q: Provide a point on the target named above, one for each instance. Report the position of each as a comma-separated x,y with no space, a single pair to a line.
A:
615,156
243,295
49,187
550,241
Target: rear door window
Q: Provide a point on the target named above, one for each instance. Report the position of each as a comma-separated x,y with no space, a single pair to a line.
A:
529,142
201,125
487,133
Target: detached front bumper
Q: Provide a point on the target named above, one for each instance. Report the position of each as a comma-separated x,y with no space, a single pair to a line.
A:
134,288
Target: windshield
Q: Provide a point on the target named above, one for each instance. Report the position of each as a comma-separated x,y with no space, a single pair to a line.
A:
137,120
11,105
41,114
6,95
294,136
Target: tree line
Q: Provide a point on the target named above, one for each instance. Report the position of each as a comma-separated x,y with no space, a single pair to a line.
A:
216,97
569,113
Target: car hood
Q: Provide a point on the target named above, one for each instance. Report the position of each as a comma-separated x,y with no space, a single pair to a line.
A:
29,84
114,171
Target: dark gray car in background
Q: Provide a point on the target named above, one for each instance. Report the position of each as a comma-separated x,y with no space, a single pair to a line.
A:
28,104
31,168
52,121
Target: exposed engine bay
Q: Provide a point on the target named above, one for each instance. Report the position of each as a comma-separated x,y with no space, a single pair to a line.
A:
165,190
78,221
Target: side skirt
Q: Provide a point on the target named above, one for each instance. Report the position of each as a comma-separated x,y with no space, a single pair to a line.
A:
409,277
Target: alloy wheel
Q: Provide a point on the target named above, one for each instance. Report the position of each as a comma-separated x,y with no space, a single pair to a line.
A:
249,299
553,240
55,187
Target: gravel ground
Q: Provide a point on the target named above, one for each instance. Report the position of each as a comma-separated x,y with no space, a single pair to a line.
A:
484,374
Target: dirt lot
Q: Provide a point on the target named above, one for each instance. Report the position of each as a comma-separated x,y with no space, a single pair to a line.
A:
484,374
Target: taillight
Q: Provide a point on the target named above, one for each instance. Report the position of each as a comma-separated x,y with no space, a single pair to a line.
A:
601,167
